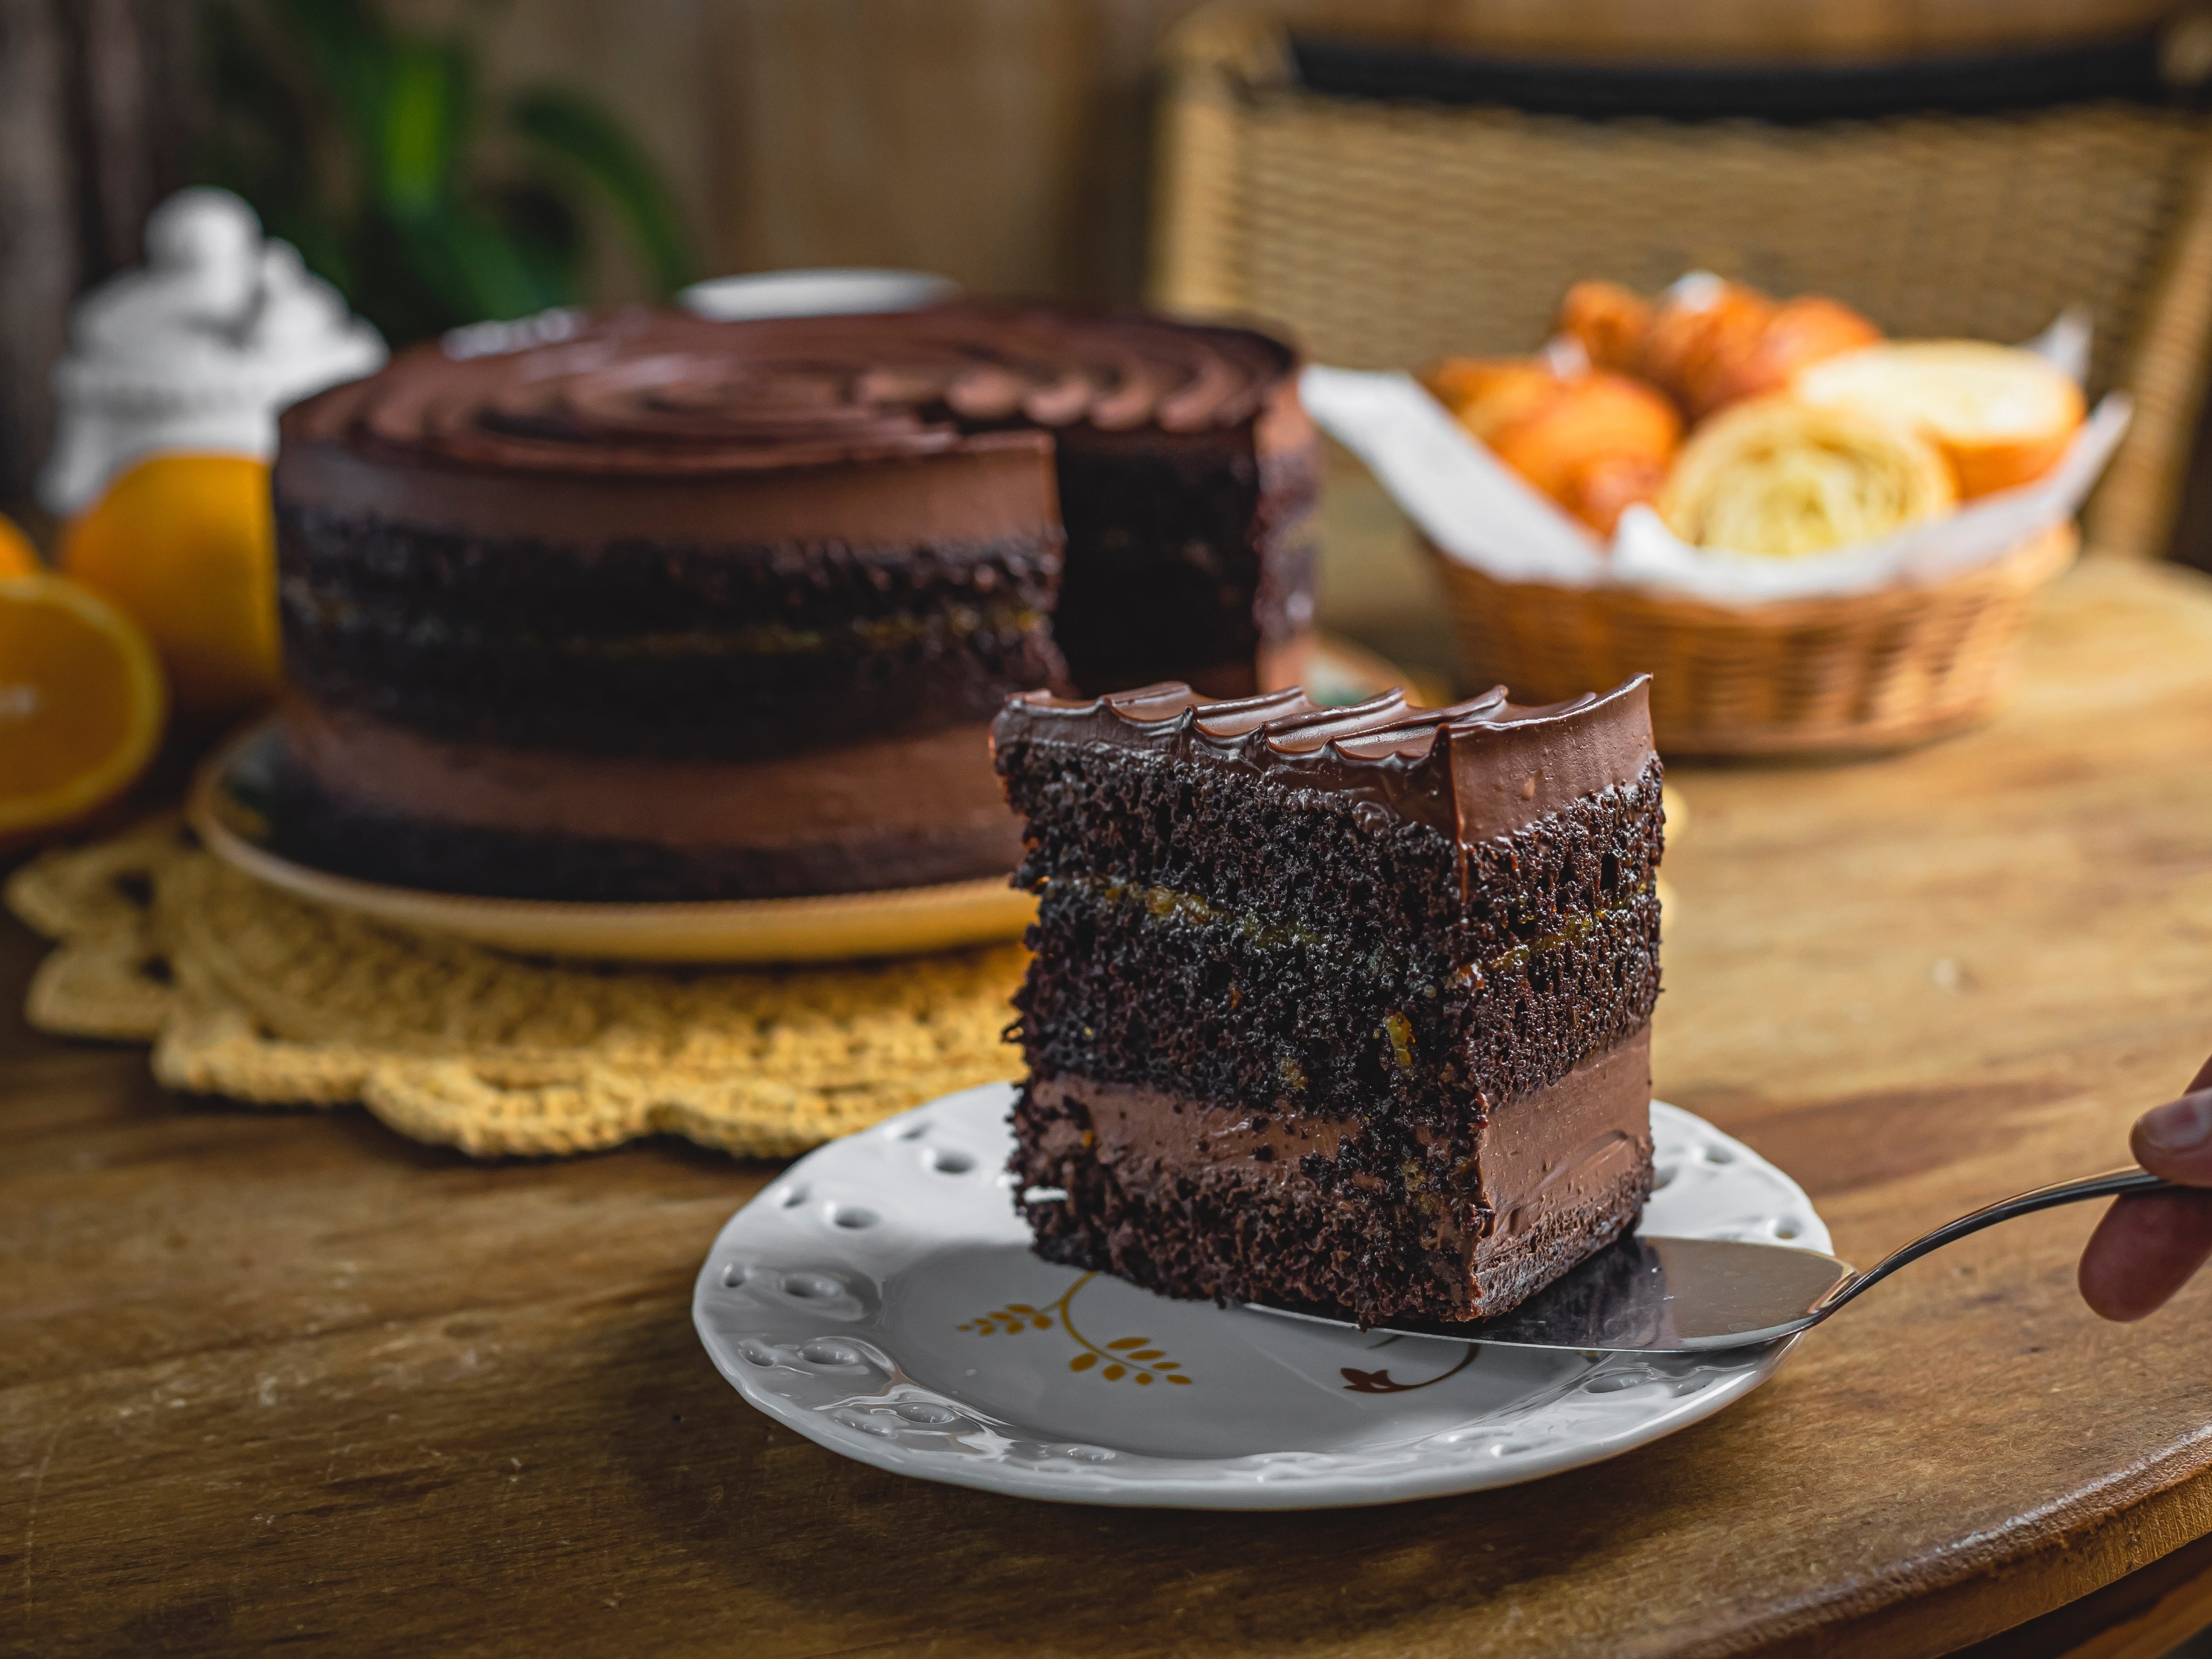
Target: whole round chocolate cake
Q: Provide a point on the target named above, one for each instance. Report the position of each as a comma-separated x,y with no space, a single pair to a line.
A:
646,606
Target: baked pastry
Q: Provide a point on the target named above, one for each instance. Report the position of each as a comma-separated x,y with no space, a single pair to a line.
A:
1609,322
1712,343
1783,478
2002,416
1593,442
1485,393
643,607
1709,343
1338,1008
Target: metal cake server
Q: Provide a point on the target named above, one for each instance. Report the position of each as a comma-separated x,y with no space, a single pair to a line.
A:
1694,1295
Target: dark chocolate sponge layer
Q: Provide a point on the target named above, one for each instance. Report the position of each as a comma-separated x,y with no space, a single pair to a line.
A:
1185,557
324,833
648,585
1299,1023
1323,859
645,647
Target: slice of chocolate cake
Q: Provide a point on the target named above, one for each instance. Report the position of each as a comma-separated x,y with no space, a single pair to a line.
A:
1340,1008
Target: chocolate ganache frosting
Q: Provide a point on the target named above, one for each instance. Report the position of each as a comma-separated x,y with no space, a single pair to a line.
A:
661,394
1476,771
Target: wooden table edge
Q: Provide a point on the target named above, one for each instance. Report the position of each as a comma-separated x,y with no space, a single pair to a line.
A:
1981,1589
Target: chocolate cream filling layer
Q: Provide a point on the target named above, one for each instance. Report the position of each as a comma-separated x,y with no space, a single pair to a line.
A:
940,783
1567,1148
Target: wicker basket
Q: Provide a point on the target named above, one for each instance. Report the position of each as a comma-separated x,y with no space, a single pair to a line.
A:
1385,233
1853,674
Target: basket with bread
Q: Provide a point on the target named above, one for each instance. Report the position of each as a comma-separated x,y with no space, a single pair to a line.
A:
1814,539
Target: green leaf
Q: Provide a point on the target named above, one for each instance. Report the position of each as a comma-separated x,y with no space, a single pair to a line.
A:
424,121
354,140
572,130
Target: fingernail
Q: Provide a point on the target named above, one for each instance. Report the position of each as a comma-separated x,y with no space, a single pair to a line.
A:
2179,1125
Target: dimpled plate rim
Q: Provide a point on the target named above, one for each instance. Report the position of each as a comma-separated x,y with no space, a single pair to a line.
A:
818,1350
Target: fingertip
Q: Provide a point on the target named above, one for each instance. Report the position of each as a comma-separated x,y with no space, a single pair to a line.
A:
2174,1140
2145,1247
2108,1298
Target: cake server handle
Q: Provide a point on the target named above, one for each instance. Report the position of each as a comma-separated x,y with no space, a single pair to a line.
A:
2111,1184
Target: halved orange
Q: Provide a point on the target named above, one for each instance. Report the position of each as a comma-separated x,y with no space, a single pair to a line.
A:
186,544
82,703
17,557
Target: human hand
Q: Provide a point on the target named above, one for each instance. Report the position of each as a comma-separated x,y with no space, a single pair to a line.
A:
2149,1243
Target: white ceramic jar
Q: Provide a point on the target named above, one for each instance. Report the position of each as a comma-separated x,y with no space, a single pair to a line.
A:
197,351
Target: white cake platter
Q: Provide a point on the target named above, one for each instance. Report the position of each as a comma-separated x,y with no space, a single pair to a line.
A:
881,1300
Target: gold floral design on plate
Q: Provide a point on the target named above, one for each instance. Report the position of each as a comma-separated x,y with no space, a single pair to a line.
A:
1134,1357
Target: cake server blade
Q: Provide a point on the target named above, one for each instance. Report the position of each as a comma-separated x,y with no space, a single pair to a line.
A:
1694,1295
1651,1295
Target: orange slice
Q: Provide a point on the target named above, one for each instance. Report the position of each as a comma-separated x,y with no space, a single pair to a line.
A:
82,703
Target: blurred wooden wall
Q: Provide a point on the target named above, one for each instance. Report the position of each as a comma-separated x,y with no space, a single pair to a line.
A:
1003,142
95,120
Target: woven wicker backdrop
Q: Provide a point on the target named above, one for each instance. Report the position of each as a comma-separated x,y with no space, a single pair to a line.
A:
1385,236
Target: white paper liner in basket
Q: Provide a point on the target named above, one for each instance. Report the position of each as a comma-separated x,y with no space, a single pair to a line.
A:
1477,511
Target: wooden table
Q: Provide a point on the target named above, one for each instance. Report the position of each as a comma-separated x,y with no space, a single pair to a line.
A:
285,1379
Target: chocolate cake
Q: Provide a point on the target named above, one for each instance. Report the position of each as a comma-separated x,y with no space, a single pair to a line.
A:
1344,1009
646,606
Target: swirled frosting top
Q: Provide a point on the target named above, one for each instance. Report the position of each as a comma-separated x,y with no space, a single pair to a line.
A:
661,393
1476,770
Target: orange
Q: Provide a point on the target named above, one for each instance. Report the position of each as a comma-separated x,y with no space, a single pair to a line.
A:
82,703
17,557
186,544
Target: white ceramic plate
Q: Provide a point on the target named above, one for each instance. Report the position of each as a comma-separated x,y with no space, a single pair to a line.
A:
881,1299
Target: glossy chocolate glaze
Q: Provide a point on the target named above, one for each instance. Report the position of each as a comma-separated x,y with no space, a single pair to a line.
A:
1476,771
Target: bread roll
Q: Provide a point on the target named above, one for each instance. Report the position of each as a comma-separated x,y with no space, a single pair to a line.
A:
1712,343
2000,416
1592,442
1782,478
1700,331
1483,393
1799,332
1609,322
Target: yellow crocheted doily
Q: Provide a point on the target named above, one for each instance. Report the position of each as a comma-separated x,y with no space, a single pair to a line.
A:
247,993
